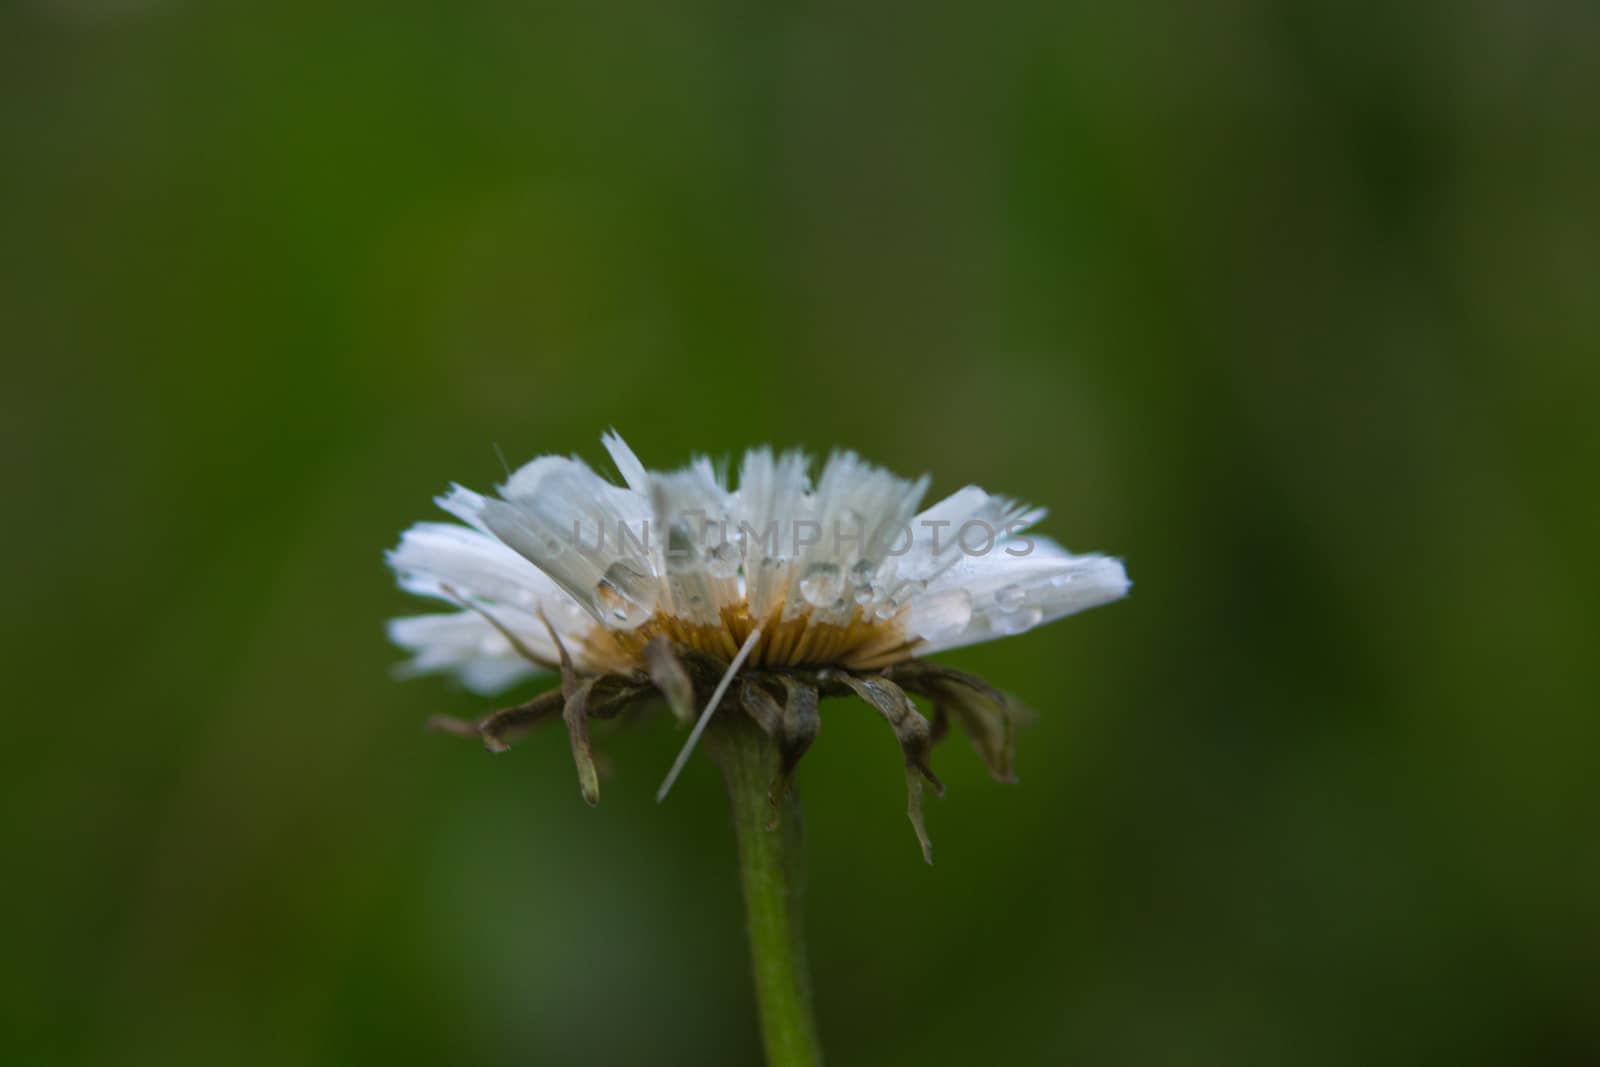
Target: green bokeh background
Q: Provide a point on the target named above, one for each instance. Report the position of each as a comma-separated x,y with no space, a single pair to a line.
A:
1292,305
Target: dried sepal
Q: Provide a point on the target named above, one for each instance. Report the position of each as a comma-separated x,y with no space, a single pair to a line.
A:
914,813
792,725
938,724
615,693
920,677
988,716
569,677
763,707
602,697
801,723
495,727
915,741
910,727
991,729
576,714
990,726
668,675
449,724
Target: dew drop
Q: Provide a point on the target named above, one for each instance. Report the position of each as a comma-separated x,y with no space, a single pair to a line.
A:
865,593
1016,621
625,596
896,597
940,615
1010,598
822,583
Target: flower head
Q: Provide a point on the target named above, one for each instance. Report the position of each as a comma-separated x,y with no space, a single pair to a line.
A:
676,585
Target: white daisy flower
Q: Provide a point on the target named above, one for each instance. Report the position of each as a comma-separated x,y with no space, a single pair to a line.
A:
675,584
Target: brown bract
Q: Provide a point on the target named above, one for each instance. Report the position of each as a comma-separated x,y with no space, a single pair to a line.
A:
780,693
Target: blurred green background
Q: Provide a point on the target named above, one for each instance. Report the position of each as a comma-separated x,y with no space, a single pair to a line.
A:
1291,305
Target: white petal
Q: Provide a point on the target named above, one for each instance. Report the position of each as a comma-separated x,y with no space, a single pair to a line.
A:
475,564
465,505
691,510
628,465
771,498
968,516
1009,594
858,514
458,564
461,643
591,537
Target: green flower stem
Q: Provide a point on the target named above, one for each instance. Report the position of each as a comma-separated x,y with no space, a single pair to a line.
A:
771,868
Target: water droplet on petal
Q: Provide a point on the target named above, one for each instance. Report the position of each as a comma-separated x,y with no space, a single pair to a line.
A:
625,597
897,597
939,615
822,583
1017,621
865,593
1011,597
